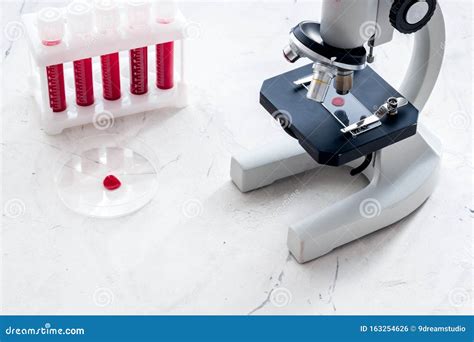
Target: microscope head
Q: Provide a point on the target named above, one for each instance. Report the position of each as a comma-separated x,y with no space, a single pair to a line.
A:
336,46
329,62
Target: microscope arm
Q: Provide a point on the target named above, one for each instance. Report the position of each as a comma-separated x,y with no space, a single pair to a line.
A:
401,179
426,60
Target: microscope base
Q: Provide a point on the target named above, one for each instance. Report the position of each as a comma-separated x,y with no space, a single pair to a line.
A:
402,177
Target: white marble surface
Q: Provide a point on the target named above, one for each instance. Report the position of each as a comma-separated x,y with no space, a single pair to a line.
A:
232,258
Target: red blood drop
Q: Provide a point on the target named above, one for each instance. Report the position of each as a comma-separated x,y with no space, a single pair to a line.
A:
111,182
338,101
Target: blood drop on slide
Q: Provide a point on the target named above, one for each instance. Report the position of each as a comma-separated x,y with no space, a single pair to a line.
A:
111,182
338,101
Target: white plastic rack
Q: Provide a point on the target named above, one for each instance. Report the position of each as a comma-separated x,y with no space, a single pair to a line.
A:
122,39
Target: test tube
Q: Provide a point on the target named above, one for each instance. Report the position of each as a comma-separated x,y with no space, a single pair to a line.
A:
50,25
139,71
80,22
138,16
108,20
165,13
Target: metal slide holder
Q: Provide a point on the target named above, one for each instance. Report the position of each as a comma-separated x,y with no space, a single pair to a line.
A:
390,107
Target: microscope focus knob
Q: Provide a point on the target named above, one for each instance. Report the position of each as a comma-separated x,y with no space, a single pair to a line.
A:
408,16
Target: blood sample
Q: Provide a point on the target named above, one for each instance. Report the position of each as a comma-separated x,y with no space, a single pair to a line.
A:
83,82
108,21
57,93
139,71
338,101
110,65
166,13
138,17
111,182
51,30
165,65
80,22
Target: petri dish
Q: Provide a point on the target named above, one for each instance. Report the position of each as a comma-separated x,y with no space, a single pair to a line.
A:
81,172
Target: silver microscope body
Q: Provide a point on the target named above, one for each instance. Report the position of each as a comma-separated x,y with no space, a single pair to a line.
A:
353,117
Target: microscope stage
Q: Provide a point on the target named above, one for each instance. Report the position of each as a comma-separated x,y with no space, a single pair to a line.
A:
319,132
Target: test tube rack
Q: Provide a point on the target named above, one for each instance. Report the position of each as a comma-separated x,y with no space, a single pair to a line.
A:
94,46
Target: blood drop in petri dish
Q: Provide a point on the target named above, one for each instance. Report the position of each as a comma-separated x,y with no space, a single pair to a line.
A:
111,182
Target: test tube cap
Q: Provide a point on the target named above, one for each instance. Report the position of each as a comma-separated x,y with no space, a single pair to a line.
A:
107,15
166,11
80,17
50,23
138,13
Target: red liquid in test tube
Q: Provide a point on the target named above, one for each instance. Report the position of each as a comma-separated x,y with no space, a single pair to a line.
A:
165,65
80,20
138,15
110,76
165,13
108,21
83,82
56,91
50,26
139,71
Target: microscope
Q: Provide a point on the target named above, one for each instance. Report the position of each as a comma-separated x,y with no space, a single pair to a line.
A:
339,112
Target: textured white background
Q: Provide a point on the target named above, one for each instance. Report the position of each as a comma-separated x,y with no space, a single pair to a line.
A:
232,258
